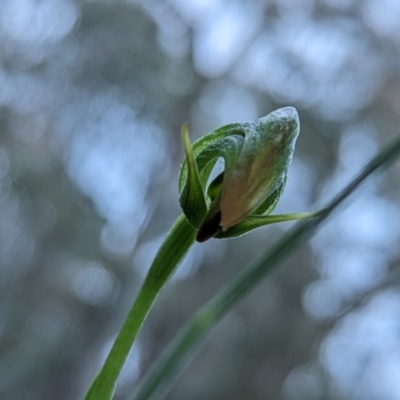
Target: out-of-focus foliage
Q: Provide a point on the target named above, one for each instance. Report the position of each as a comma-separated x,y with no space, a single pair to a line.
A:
92,96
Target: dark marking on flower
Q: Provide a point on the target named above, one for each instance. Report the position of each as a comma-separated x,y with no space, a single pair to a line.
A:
209,228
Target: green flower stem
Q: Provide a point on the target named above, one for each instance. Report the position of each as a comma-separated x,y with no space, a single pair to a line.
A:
179,351
177,243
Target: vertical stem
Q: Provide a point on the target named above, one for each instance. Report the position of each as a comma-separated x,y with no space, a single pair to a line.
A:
178,241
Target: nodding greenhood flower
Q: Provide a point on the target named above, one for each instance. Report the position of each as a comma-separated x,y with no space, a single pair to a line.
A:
257,156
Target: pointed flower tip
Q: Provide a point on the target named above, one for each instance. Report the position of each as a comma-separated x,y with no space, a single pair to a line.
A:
286,117
286,114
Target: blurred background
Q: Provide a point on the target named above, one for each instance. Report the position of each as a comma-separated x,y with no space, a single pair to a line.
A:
92,97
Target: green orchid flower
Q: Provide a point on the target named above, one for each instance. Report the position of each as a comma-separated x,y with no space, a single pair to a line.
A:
257,156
